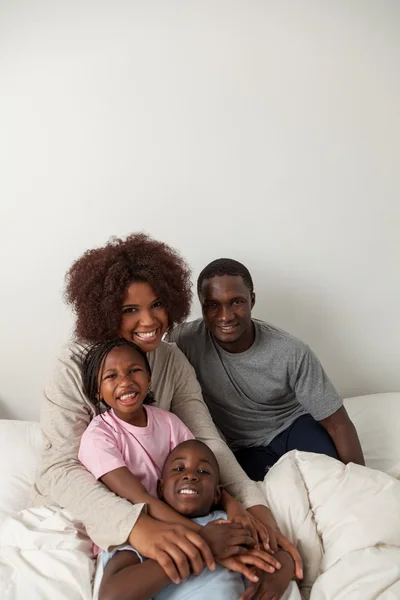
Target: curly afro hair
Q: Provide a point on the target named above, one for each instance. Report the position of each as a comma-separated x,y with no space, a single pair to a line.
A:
96,284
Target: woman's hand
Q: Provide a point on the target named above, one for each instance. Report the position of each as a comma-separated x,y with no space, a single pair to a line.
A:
276,538
226,539
177,550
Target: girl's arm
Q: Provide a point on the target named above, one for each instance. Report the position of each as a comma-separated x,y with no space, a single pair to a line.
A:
123,483
126,578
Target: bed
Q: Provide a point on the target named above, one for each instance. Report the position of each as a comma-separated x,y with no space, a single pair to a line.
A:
350,539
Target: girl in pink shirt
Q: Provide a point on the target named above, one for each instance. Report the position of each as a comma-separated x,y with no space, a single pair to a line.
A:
126,444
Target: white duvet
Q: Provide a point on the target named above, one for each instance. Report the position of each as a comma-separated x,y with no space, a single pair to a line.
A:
345,520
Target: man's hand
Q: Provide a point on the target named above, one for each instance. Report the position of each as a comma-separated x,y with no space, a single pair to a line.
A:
271,586
177,550
276,538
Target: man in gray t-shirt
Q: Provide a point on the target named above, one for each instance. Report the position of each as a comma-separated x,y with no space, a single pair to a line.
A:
266,390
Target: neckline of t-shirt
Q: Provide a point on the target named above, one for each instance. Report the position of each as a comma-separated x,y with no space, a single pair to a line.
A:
137,430
236,355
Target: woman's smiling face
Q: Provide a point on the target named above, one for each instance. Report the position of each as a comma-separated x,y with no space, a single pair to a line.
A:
144,318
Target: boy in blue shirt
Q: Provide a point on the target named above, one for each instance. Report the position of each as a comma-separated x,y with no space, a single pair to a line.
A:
190,485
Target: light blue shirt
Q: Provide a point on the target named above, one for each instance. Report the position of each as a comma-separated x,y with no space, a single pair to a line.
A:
220,584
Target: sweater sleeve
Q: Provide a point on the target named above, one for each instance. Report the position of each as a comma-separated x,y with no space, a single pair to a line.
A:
61,478
189,406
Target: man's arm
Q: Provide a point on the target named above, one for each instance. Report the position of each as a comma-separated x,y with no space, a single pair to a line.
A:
344,436
316,393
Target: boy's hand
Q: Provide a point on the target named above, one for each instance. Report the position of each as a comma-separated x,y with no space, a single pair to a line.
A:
226,539
271,586
246,564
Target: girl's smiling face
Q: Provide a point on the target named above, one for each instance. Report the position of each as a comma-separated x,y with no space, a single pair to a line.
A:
123,384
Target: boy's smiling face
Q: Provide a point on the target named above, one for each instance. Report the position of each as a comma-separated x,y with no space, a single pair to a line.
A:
190,479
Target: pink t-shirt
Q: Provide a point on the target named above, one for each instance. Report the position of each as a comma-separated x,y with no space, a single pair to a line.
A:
109,443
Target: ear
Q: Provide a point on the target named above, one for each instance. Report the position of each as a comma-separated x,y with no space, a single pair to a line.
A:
218,494
253,300
160,489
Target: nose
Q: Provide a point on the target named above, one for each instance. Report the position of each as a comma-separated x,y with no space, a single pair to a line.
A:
226,314
190,477
125,379
146,318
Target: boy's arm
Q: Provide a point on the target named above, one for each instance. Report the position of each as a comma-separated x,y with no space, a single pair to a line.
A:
125,485
126,578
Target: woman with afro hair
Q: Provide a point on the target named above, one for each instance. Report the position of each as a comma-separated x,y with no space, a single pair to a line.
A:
136,288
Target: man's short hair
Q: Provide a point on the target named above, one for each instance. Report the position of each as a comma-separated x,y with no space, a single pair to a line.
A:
225,266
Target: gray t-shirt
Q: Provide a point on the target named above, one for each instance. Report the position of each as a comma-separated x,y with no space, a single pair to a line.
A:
255,395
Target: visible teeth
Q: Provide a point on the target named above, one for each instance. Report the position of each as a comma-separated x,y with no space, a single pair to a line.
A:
147,335
126,396
190,492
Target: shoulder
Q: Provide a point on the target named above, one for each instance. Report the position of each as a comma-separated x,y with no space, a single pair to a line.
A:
68,362
100,424
188,333
270,333
162,416
169,359
213,516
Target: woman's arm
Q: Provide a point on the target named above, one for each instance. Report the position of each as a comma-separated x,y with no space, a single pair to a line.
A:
61,478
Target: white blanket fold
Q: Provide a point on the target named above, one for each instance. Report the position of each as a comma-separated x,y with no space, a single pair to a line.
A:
344,519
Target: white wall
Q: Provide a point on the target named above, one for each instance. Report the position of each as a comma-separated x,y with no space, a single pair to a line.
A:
265,131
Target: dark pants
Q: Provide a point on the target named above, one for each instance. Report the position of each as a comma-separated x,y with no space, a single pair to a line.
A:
304,434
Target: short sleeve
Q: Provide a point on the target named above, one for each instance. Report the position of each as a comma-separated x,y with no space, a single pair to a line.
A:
314,390
179,432
98,450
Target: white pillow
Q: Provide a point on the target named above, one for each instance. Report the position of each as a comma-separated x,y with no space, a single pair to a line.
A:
20,447
377,420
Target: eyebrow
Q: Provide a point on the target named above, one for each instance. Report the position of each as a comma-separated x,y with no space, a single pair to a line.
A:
138,305
201,460
129,366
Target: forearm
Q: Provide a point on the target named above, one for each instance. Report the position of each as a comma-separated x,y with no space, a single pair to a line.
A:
126,485
347,443
159,510
108,519
135,582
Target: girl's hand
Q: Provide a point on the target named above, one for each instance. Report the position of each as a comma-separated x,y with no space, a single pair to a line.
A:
178,550
276,538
